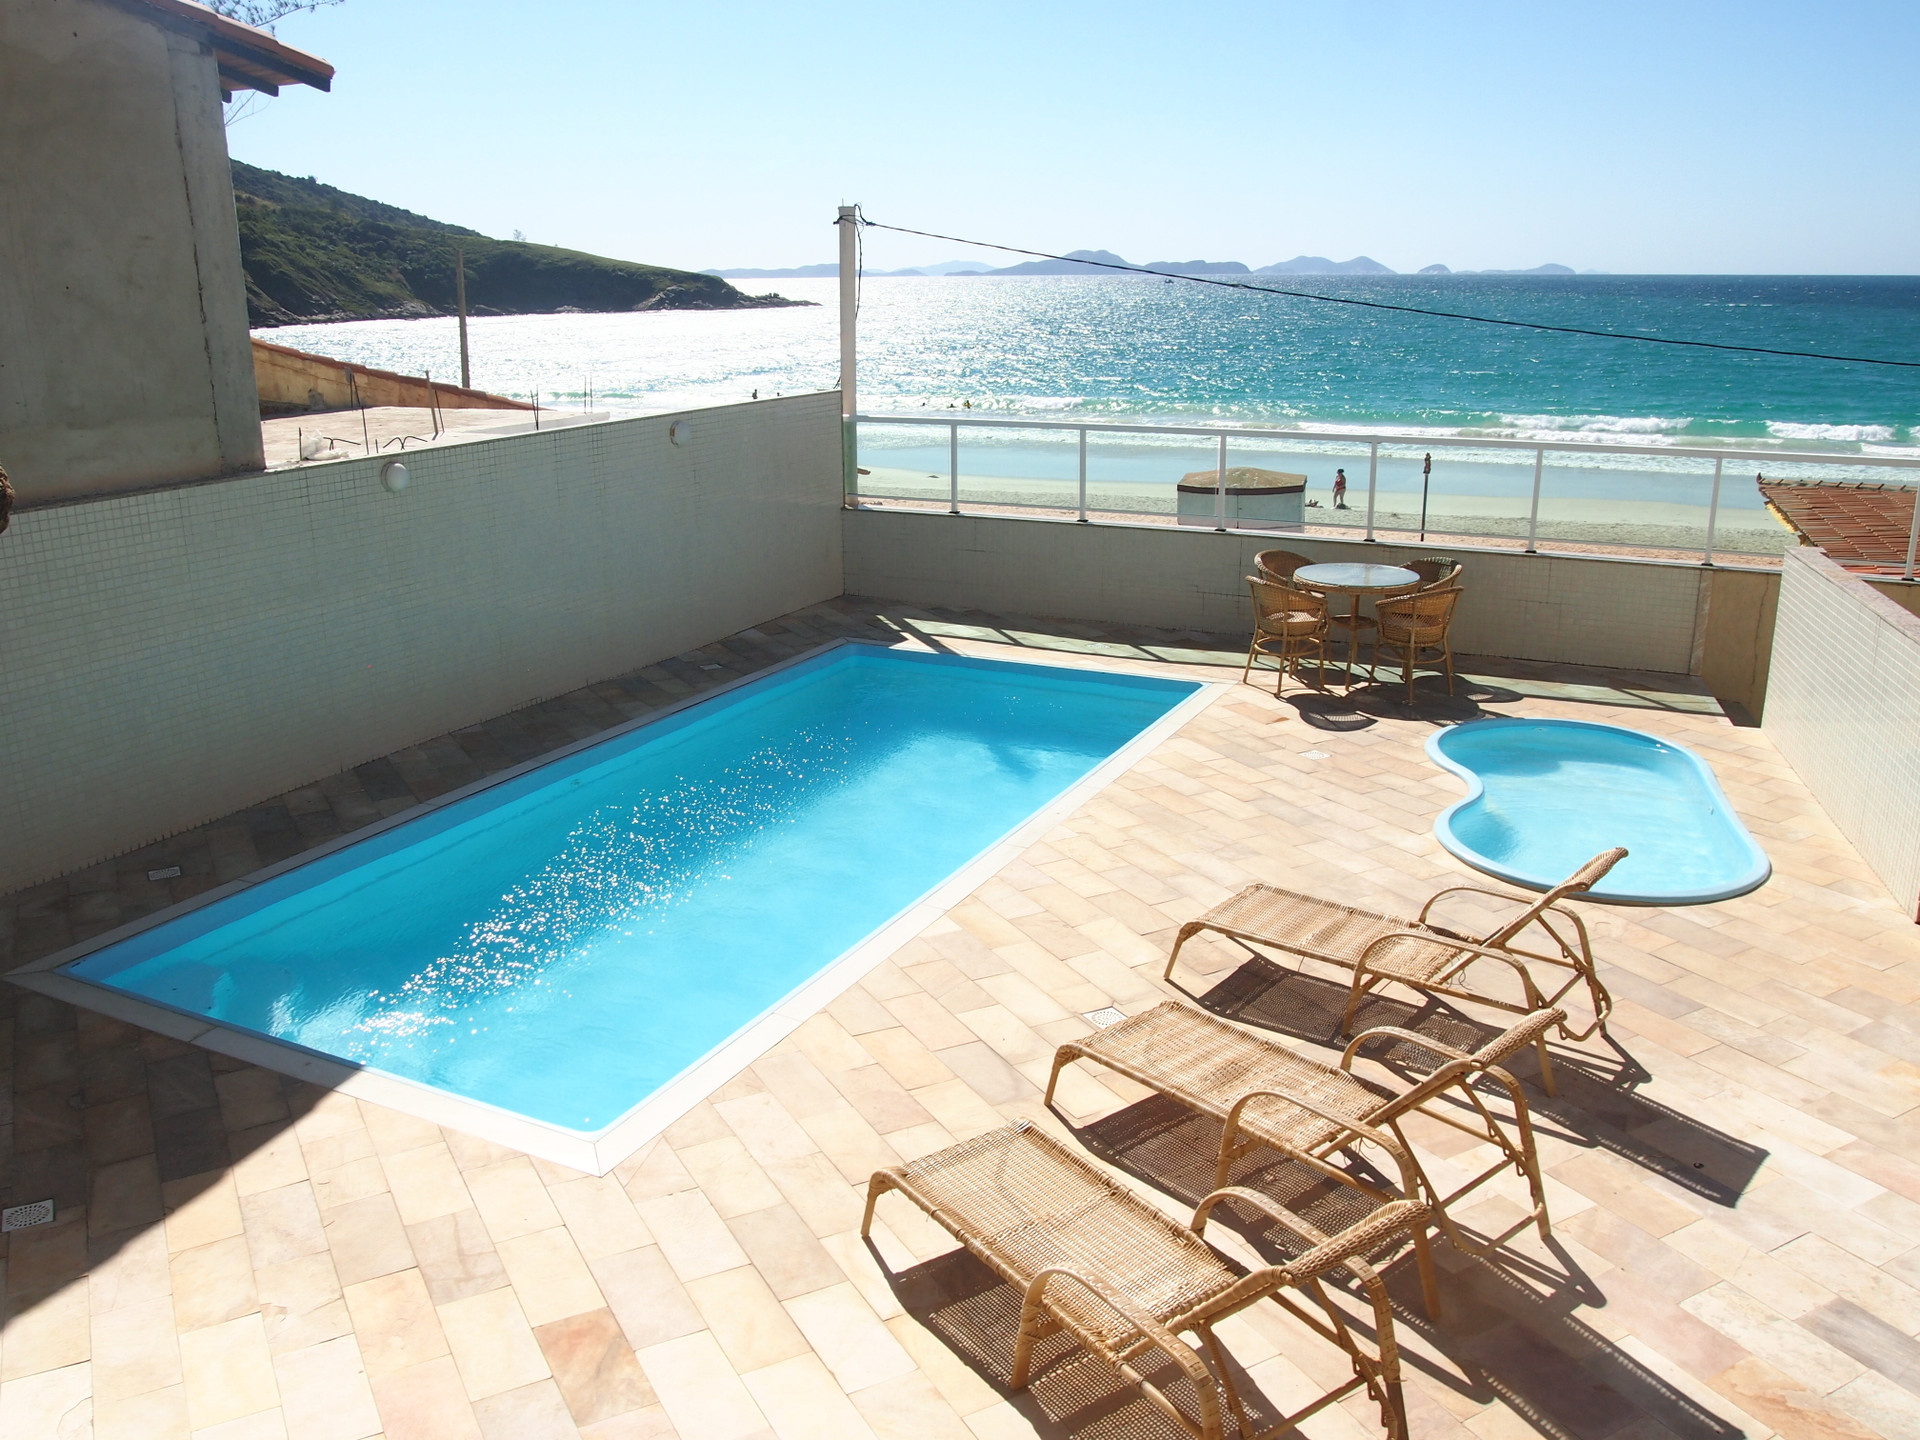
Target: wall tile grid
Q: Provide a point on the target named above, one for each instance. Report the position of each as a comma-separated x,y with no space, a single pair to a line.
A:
1635,615
169,657
1843,707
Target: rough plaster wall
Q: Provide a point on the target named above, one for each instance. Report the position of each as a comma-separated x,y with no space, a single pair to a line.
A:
1533,607
123,347
1843,707
169,657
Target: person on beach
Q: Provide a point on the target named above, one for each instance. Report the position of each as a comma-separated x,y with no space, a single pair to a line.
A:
1339,489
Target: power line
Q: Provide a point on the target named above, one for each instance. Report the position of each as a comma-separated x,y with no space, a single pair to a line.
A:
1400,309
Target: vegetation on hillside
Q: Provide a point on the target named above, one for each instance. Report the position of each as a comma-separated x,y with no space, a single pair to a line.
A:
312,252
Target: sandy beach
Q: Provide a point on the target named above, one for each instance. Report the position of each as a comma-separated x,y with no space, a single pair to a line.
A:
1615,523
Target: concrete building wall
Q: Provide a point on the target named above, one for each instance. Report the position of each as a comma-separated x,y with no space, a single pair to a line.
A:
122,300
1843,708
1601,611
175,655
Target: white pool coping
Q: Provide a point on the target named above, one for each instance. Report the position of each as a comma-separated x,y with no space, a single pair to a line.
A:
598,1151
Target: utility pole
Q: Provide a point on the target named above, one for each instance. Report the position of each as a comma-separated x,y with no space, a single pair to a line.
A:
460,301
849,223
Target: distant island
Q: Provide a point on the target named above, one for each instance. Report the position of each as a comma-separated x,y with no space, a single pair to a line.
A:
1100,262
314,253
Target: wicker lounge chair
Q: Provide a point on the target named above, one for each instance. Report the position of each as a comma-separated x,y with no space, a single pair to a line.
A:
1265,1094
1097,1261
1289,625
1376,949
1434,571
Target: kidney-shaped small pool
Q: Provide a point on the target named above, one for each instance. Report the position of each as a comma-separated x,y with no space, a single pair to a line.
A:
1545,796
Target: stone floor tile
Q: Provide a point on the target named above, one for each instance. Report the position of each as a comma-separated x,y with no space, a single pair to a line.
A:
549,1277
228,1372
746,1318
425,1182
802,1401
594,1367
511,1199
135,1350
425,1402
532,1412
395,1322
646,1297
600,1216
492,1343
367,1239
846,1334
300,1303
702,1393
324,1394
691,1234
53,1403
156,1415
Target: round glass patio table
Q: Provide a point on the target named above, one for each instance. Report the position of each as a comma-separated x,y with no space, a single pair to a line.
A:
1356,580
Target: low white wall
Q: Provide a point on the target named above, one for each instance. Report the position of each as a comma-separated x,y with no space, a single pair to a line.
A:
1843,707
171,656
1632,614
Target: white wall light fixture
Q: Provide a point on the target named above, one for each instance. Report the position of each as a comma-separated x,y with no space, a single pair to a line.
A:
681,432
394,476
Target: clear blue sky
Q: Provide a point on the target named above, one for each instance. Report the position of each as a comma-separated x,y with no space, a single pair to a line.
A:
1623,136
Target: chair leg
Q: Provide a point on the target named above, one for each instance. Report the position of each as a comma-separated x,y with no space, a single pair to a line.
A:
1187,932
1247,669
1423,1260
1546,1065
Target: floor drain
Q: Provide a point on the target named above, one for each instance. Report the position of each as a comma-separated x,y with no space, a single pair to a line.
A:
1105,1016
170,872
1313,754
19,1217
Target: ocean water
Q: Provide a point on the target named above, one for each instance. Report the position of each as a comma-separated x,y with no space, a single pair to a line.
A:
564,943
1149,350
1160,351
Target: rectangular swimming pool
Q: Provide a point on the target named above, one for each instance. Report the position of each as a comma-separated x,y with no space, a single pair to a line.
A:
562,944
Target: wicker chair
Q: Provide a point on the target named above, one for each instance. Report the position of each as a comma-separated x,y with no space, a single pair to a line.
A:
1289,625
1410,625
1266,1094
1376,948
1278,564
1095,1260
1434,571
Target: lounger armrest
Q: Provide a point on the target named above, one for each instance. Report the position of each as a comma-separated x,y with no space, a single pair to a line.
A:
1151,1330
1503,896
1425,1042
1325,1251
1357,1128
1467,947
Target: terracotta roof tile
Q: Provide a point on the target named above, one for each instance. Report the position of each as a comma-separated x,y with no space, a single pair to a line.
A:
1863,525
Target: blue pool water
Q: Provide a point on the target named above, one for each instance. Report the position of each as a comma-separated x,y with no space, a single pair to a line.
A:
564,943
1546,796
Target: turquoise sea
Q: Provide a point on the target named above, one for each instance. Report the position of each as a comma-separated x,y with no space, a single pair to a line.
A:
1154,350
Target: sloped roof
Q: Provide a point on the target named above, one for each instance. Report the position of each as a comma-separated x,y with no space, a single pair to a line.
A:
249,59
1862,524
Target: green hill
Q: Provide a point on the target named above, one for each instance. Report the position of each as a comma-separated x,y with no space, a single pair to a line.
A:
312,252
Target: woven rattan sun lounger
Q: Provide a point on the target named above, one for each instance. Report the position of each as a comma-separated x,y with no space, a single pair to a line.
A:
1374,949
1265,1094
1097,1261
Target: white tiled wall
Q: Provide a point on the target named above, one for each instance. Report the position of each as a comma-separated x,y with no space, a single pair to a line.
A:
1530,607
169,657
1843,706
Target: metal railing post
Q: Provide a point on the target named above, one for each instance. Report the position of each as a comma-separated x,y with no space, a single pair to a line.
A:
1713,511
953,469
1220,487
1373,484
1083,474
1533,514
849,223
1913,535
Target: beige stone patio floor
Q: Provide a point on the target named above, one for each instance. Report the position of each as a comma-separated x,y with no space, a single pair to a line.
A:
1735,1188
